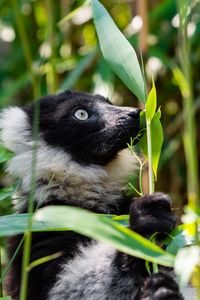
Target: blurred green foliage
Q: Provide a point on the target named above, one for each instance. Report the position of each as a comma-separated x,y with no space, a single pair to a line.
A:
43,51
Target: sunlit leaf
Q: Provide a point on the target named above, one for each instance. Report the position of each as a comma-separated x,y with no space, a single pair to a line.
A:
117,51
151,103
102,228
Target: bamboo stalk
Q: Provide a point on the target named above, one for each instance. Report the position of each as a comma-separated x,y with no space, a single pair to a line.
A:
25,45
190,132
149,146
28,233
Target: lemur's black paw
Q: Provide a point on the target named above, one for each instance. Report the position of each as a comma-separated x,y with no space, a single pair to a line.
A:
152,213
159,287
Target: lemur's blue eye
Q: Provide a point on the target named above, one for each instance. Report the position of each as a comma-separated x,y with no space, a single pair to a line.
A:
81,114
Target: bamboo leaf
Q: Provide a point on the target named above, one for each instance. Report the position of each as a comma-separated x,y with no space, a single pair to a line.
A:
15,224
117,51
104,229
100,227
151,103
157,141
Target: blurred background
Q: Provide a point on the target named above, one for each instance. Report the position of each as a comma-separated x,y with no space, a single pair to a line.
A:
49,46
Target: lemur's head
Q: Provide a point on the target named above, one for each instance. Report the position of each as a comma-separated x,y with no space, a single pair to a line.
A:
89,128
80,141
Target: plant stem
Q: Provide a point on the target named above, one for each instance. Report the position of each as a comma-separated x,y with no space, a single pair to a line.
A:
149,146
4,273
28,233
190,133
1,287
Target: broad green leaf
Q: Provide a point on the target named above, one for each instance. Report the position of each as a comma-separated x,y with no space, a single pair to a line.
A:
156,139
5,298
8,191
102,228
5,154
151,103
117,51
15,224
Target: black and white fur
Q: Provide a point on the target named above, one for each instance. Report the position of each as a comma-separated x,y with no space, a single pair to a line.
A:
84,163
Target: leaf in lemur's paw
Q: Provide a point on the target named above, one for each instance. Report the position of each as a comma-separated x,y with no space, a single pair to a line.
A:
156,139
117,51
151,103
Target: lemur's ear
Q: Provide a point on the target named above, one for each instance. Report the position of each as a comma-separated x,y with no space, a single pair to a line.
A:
15,130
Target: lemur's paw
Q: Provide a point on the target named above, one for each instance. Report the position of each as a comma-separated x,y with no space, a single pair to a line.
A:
152,213
160,287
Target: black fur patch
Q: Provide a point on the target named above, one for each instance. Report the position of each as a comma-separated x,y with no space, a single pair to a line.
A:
93,141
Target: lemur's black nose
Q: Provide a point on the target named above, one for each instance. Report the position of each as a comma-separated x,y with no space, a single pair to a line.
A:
135,113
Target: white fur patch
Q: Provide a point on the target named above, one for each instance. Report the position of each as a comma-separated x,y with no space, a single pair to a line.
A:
92,276
15,134
68,180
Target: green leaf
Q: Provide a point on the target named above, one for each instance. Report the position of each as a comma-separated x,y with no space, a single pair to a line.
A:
176,240
100,227
151,103
16,224
156,139
5,154
117,51
8,191
104,229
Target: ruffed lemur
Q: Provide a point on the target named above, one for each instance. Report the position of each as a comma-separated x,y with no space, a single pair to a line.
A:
82,161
